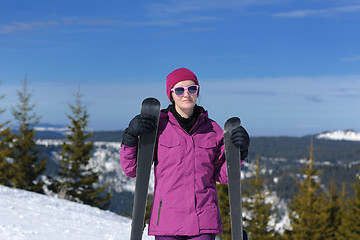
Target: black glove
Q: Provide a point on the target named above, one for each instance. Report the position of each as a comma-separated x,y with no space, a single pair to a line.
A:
240,138
139,124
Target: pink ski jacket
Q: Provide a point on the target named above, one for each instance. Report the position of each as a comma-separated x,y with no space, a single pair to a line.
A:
186,167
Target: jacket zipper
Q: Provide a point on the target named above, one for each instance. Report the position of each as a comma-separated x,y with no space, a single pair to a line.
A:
159,213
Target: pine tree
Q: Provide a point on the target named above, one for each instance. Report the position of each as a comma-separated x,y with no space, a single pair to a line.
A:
308,208
27,166
259,212
6,168
224,207
340,234
334,209
6,138
78,181
350,225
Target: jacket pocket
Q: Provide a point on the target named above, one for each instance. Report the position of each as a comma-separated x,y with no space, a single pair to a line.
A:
169,143
207,149
169,153
206,144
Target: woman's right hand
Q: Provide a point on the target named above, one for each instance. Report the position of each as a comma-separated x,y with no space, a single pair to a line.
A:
139,124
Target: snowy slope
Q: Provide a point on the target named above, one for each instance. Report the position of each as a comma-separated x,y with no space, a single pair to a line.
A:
27,215
348,135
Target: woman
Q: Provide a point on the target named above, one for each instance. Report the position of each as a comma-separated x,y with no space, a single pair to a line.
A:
188,161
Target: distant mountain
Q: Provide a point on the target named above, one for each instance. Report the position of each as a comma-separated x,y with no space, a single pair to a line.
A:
58,132
348,135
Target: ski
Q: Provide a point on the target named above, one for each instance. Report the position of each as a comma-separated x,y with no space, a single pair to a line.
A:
149,106
233,158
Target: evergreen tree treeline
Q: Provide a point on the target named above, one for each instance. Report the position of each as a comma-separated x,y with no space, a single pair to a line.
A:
259,212
308,211
315,213
319,214
20,166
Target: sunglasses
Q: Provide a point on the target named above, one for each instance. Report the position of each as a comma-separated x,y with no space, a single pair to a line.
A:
179,91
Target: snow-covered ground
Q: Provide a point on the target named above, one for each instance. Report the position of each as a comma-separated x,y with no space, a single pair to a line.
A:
27,216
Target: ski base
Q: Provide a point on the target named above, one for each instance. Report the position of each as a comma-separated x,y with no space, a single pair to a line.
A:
150,106
233,162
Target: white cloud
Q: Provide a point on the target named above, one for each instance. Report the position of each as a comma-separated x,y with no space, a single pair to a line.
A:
24,26
21,26
185,6
351,59
354,8
196,30
190,11
319,12
300,13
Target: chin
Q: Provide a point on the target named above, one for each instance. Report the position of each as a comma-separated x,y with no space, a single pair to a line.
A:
187,105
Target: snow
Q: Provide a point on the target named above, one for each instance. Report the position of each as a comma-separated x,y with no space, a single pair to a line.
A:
52,129
30,216
348,135
49,142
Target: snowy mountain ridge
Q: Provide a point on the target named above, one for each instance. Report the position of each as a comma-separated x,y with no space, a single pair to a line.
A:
348,135
28,216
50,128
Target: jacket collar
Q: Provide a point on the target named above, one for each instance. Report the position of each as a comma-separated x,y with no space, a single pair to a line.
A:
203,116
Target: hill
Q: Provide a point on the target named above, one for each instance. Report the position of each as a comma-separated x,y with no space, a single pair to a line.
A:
27,216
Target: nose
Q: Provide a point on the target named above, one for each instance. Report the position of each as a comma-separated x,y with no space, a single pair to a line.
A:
186,93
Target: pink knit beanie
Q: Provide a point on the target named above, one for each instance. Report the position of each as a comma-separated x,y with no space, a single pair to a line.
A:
178,75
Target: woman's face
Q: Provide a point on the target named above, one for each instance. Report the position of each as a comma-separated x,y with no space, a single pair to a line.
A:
186,101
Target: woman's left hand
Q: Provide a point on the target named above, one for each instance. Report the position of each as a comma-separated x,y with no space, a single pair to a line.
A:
240,138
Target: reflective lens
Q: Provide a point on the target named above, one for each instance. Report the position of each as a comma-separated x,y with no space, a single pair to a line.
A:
179,91
192,90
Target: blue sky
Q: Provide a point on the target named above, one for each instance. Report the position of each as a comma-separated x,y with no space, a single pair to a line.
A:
284,67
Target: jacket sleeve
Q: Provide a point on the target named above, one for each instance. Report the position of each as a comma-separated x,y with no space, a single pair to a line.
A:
220,165
128,160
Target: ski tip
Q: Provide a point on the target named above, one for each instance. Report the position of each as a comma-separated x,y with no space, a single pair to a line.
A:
151,100
234,121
